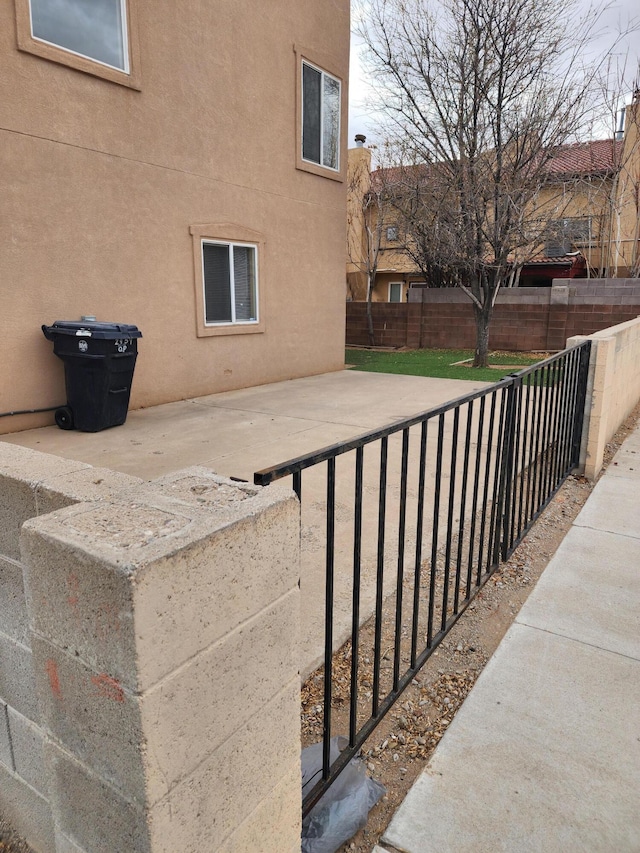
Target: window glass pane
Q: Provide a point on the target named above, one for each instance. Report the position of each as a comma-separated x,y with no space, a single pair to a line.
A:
331,122
244,279
395,291
92,28
311,83
217,283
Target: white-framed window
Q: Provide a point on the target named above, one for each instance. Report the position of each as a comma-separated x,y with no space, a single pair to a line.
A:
395,291
230,282
567,234
392,233
92,29
321,105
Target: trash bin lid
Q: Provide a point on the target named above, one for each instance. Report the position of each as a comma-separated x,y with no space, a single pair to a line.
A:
91,329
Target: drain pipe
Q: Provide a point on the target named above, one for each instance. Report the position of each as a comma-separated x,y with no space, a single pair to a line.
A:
28,411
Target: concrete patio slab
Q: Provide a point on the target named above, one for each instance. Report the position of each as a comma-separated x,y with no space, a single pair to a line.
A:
239,432
544,755
590,592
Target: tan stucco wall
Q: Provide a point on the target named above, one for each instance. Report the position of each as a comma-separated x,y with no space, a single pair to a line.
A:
100,183
381,290
581,197
626,233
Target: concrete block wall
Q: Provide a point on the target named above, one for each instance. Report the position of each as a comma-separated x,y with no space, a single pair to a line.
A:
31,484
165,642
613,390
525,319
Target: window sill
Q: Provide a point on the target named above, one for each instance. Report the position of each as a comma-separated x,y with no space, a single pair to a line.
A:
317,169
231,329
226,232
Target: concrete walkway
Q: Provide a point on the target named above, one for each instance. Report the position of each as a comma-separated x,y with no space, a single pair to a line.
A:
544,754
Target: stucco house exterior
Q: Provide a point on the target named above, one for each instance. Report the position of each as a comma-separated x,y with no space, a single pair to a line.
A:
180,169
590,199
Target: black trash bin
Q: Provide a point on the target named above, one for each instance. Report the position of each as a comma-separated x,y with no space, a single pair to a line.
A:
99,360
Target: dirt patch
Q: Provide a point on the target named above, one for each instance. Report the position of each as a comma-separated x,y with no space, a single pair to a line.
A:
10,841
398,750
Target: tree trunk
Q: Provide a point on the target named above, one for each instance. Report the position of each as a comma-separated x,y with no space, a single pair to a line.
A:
483,319
369,314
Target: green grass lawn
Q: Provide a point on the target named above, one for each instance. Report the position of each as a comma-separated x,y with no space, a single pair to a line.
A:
436,362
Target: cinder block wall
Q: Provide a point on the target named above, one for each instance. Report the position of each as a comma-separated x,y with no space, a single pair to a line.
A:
524,319
31,484
614,388
149,664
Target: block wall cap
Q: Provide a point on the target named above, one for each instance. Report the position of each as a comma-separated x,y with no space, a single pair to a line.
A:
156,519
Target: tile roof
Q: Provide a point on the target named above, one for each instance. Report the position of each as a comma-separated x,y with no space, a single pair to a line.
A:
587,158
599,157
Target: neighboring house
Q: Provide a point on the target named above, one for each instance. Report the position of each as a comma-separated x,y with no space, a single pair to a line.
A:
591,201
181,168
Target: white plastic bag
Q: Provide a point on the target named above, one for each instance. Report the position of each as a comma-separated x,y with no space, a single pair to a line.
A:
344,808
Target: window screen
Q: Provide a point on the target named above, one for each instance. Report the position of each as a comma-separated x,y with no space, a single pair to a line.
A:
230,285
320,117
311,123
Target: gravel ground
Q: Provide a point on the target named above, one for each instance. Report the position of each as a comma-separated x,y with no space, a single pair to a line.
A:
10,841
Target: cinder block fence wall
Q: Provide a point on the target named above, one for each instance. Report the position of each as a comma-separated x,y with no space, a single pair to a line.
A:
613,388
525,319
149,647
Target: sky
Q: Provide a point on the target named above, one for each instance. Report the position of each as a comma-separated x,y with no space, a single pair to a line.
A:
614,18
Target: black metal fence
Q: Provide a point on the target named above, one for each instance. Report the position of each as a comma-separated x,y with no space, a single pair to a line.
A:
417,516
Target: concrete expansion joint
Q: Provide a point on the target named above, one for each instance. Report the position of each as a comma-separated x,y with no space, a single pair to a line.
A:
610,532
576,640
220,642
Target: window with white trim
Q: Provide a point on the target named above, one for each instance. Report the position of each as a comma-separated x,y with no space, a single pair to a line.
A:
92,29
392,233
230,282
321,99
395,291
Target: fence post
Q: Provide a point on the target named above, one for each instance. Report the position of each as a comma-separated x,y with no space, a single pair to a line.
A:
506,469
165,635
583,376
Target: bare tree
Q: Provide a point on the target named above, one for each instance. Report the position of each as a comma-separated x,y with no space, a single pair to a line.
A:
476,98
368,210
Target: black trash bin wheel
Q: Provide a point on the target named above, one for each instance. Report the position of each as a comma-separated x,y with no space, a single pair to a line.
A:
64,417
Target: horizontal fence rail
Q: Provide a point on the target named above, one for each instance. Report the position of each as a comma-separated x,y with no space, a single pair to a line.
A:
411,519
